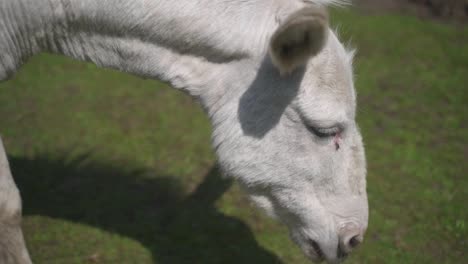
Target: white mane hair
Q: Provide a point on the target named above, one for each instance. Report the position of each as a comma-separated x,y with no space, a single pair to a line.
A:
330,2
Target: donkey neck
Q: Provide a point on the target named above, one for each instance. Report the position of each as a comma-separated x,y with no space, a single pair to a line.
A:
196,46
116,33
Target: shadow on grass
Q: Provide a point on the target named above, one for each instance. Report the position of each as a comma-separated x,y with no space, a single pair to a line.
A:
133,203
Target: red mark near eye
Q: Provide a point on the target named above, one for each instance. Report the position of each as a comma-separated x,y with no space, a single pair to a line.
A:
336,140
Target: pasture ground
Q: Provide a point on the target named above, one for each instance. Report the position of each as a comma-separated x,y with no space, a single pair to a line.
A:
116,169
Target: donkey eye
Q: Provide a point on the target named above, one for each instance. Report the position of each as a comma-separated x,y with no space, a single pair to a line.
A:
325,132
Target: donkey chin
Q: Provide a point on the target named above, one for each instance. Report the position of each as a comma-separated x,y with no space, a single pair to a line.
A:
326,230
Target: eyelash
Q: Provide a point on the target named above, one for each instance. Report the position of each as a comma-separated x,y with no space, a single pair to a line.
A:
325,132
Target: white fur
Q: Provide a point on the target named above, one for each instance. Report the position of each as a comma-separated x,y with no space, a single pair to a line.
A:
12,246
266,126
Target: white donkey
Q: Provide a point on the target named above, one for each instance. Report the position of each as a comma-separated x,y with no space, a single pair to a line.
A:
274,79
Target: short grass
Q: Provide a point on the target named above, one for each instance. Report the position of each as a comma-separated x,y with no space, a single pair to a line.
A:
116,169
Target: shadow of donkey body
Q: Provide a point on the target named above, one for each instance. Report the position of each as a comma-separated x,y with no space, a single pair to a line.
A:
149,209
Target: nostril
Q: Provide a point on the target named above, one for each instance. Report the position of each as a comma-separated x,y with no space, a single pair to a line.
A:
350,243
354,241
317,249
350,237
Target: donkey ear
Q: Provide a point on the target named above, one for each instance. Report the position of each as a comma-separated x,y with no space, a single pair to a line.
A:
300,37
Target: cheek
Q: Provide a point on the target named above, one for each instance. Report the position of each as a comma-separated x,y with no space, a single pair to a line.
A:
300,206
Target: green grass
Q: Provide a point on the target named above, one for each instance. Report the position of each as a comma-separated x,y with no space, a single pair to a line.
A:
116,169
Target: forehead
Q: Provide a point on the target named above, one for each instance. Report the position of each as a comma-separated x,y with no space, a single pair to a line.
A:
327,90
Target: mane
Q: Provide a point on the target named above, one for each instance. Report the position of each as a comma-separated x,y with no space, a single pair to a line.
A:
330,2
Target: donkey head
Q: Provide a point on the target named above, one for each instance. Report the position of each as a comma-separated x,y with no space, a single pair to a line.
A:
291,140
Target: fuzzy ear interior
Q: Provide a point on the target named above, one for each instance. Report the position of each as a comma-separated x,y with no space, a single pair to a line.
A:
300,37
